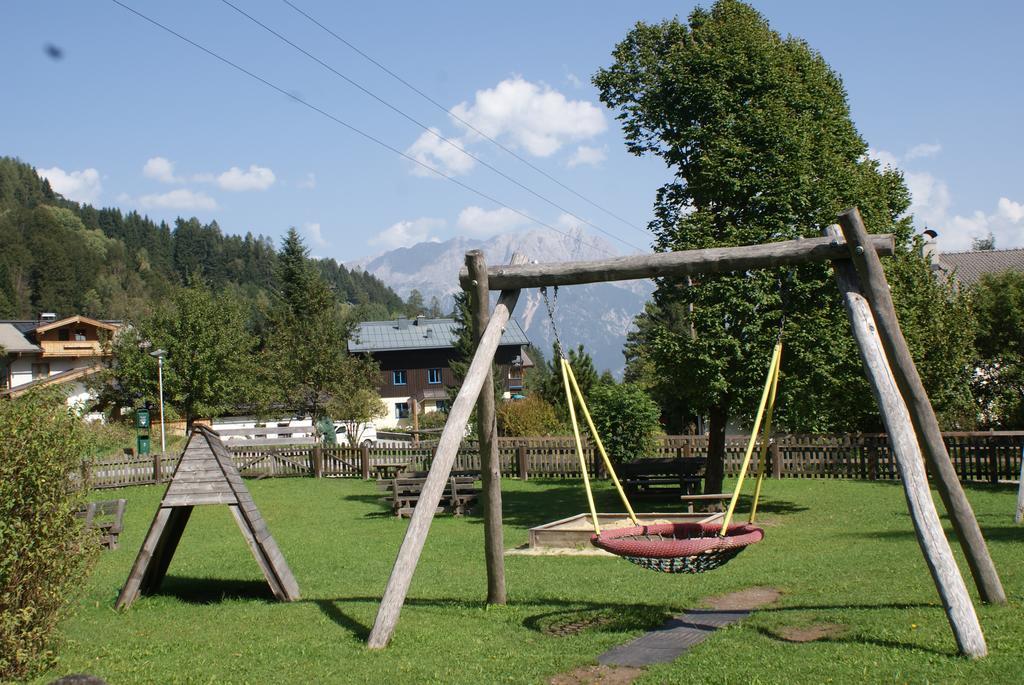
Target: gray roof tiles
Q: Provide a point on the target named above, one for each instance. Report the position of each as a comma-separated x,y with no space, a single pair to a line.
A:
418,334
969,267
12,339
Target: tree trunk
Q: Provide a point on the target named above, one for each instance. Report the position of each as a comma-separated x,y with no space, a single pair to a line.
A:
718,416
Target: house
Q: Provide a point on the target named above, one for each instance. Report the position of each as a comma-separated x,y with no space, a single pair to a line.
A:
53,351
415,359
968,267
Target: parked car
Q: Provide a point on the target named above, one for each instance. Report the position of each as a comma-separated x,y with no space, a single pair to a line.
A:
366,433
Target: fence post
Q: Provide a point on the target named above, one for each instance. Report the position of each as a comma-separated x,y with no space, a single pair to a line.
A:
523,461
156,467
993,460
318,461
364,459
873,463
776,457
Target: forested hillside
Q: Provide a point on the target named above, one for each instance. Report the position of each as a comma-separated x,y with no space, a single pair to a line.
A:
59,256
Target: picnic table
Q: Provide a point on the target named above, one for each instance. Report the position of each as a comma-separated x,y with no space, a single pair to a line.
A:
403,493
107,517
388,469
657,477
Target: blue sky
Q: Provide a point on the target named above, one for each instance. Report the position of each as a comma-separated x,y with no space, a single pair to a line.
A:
133,117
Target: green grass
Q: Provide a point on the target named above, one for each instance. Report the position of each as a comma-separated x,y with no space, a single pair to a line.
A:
842,552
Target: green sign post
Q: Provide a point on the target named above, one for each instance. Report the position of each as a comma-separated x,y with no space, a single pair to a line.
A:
142,430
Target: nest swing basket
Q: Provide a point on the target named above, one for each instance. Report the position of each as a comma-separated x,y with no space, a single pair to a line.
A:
679,547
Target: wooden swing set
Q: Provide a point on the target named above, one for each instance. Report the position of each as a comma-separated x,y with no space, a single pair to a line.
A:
906,411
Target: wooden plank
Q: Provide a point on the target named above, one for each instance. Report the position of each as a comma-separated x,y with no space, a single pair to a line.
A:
1019,515
444,457
675,264
896,417
926,425
198,499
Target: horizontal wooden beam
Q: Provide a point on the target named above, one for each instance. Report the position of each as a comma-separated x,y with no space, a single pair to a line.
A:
684,263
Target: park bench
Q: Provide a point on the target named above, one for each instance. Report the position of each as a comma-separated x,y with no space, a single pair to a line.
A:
662,477
107,517
403,492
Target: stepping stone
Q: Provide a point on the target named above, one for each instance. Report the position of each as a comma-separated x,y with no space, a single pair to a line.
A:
665,644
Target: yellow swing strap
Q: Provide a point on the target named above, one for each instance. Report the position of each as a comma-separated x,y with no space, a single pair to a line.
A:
766,437
597,441
579,446
755,429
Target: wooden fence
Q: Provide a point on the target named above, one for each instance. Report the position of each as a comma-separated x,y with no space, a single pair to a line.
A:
977,457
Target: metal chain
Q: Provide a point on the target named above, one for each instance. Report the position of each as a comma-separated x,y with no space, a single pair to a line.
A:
550,304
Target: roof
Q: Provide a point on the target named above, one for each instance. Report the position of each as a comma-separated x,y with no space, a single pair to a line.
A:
419,334
53,379
13,340
109,325
969,267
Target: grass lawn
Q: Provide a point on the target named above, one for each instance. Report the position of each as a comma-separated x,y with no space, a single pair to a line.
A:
842,552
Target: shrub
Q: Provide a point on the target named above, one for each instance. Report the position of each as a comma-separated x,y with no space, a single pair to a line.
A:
43,549
627,420
529,416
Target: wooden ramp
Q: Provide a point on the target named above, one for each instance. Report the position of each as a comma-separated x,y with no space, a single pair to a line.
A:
205,475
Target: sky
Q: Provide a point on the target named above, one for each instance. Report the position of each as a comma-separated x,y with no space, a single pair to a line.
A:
116,112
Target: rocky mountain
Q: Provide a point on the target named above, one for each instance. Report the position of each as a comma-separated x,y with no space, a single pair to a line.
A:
598,315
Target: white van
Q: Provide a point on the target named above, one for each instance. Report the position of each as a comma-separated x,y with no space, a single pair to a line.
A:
366,433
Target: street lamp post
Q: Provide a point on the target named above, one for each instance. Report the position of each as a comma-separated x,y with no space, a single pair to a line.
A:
160,354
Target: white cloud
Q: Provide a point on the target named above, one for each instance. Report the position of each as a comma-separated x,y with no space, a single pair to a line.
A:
309,182
883,157
487,222
573,79
1010,210
256,178
531,115
161,169
315,234
80,186
930,199
408,233
923,150
181,198
434,152
588,155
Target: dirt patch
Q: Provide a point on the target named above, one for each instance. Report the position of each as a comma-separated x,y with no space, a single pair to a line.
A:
605,675
818,631
744,600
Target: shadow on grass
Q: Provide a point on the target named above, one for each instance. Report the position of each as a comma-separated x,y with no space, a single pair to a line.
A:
886,644
213,590
377,501
990,533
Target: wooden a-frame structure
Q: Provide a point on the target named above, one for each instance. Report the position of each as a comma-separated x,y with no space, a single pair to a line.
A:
205,475
905,408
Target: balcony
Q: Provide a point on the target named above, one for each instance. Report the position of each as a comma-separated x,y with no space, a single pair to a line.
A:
71,348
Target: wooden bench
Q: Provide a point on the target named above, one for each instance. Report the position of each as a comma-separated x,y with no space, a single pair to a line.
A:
403,492
107,517
662,477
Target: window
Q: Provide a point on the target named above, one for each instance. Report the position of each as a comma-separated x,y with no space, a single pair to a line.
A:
80,335
40,370
441,405
401,409
398,377
433,376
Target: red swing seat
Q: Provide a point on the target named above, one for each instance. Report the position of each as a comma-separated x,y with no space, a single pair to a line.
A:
679,547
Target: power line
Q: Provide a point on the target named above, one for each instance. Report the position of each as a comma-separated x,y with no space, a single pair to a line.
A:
423,126
462,121
352,128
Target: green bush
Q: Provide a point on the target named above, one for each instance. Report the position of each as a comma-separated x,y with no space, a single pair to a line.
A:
627,420
526,417
44,552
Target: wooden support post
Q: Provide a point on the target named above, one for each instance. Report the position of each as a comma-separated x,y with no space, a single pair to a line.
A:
364,460
433,488
776,457
930,536
524,462
487,428
926,426
156,467
1019,516
685,263
415,423
318,461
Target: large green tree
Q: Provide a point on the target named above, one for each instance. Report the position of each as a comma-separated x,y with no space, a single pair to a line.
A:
306,362
209,369
757,132
998,301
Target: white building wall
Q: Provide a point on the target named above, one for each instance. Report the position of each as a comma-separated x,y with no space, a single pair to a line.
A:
389,420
